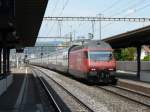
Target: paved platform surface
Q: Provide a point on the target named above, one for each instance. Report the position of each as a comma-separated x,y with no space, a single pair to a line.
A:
8,99
30,100
129,80
126,75
130,75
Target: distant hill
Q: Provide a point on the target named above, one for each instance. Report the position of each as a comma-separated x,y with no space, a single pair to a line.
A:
48,43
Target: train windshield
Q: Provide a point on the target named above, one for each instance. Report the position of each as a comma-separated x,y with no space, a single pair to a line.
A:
100,55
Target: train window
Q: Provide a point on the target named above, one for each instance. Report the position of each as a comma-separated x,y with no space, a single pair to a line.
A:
100,55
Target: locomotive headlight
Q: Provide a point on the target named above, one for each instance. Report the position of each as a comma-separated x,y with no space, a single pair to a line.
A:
93,69
111,69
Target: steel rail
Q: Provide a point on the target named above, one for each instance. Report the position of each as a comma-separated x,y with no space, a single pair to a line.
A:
103,88
55,105
69,93
132,91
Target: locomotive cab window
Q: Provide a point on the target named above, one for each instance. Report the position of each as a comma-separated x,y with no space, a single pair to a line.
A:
100,55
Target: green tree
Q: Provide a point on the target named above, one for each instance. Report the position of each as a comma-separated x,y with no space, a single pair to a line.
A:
125,54
130,53
146,58
117,54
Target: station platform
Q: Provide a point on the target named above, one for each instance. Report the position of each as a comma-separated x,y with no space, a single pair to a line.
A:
20,96
9,97
129,80
144,75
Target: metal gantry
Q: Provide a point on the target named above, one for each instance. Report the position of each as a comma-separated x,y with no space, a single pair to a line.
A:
96,19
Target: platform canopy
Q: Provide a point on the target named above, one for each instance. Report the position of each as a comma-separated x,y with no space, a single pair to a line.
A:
132,38
27,19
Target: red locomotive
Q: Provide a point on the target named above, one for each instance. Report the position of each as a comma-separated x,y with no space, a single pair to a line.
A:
92,61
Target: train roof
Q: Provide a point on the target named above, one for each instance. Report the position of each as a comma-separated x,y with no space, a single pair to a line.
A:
91,44
96,43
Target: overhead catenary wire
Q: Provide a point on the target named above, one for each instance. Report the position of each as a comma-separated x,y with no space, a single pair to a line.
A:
114,4
139,9
55,7
46,24
63,8
111,6
124,10
105,10
53,12
129,7
108,8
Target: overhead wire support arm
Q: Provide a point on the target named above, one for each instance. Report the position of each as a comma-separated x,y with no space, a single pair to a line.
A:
57,37
96,19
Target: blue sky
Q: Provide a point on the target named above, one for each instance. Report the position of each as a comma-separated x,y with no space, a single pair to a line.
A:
108,8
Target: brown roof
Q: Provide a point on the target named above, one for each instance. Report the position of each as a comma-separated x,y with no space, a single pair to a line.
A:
132,38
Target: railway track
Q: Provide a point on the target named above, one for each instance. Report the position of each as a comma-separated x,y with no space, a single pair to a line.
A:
50,96
127,94
132,91
86,108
